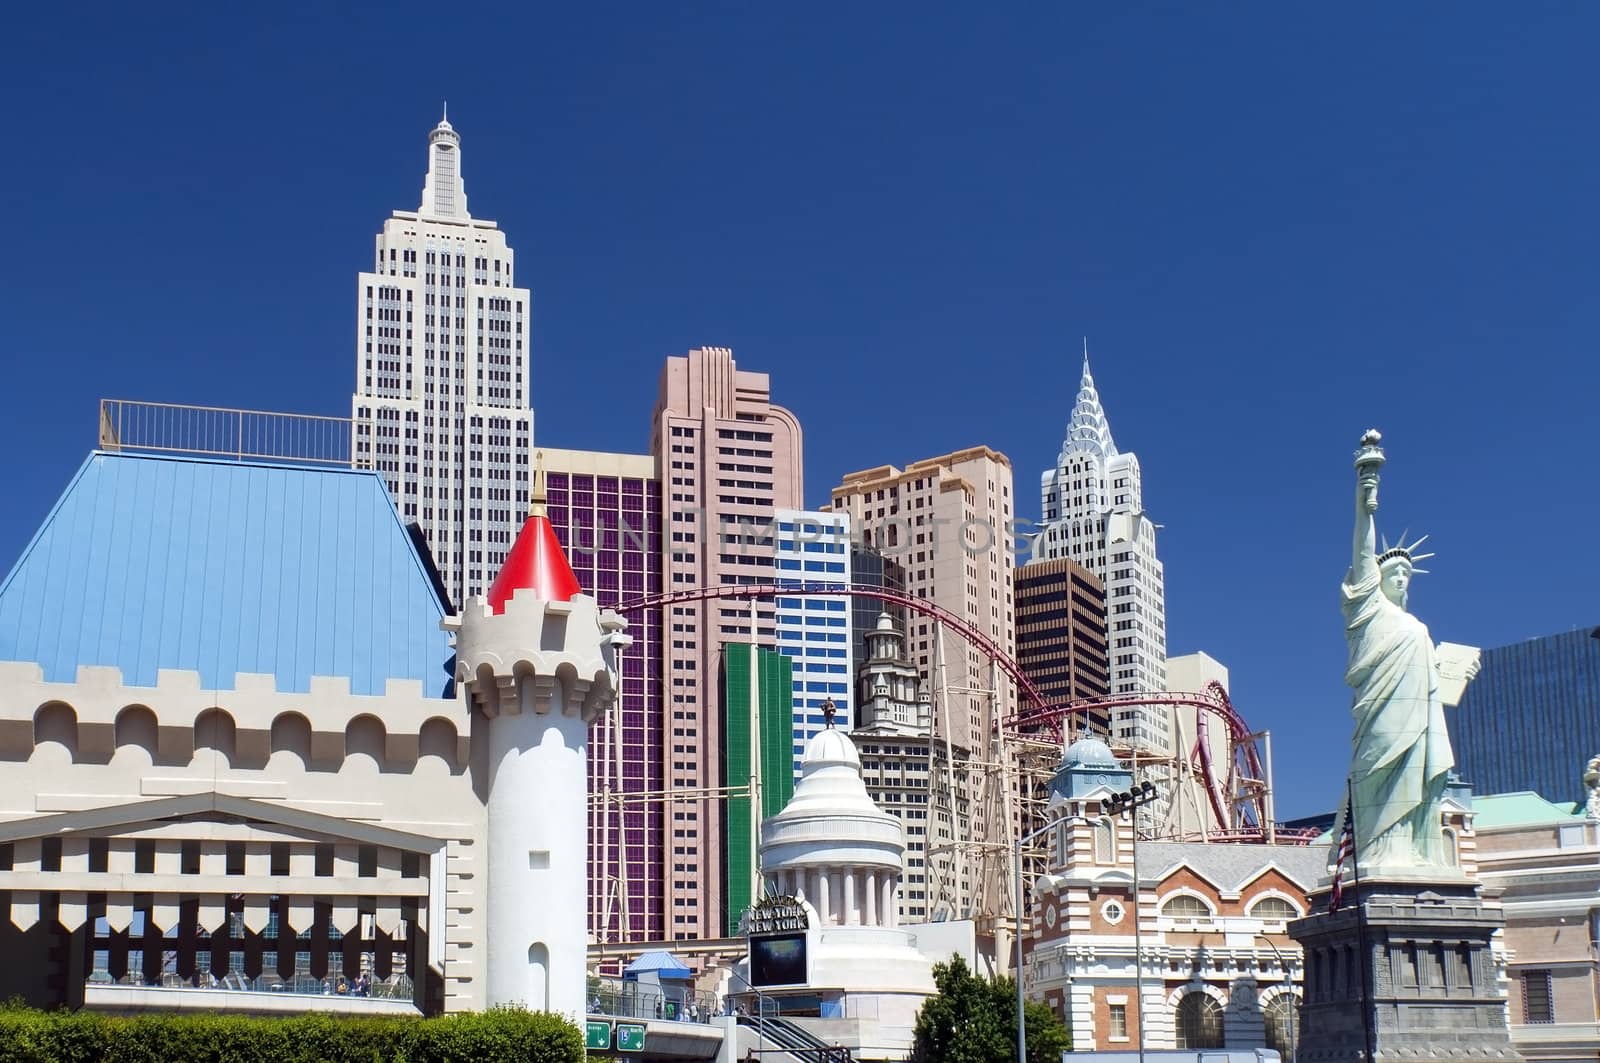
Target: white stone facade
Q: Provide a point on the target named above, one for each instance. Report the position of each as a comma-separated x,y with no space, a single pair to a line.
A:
441,404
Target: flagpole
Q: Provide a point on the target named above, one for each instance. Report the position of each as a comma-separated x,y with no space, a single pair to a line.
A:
1361,923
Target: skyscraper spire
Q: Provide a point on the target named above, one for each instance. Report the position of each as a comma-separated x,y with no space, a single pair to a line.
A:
1088,429
444,193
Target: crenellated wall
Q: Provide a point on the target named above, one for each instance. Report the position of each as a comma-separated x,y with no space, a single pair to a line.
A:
399,762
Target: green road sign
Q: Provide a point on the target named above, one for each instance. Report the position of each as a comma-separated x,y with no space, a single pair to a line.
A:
597,1035
630,1038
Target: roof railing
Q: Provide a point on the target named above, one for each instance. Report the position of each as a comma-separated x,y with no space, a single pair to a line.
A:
223,432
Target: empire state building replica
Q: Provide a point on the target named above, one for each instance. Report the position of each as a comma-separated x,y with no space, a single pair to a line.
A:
441,403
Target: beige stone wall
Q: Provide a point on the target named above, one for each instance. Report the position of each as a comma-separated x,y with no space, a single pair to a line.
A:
1547,877
399,761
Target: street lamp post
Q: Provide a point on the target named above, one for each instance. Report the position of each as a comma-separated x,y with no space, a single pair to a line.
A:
1288,986
1129,801
1016,897
761,1009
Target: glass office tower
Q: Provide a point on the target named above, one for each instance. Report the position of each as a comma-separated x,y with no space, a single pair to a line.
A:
1531,719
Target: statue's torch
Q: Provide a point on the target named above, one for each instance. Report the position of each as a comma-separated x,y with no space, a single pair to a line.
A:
1369,459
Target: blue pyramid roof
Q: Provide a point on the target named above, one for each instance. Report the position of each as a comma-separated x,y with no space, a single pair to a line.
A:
153,561
660,961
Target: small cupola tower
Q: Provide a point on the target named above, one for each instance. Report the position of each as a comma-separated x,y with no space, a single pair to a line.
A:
538,660
1088,841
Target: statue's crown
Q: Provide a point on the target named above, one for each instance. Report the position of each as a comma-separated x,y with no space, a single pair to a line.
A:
1405,553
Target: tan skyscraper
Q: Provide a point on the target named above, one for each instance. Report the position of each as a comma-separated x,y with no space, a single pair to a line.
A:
949,522
729,459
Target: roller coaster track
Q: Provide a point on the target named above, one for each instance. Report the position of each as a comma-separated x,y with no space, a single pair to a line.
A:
801,588
1038,717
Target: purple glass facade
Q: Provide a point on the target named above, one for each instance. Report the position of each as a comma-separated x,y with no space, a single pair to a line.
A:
610,527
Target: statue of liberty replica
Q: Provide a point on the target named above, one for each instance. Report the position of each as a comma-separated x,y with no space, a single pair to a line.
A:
1401,757
1397,957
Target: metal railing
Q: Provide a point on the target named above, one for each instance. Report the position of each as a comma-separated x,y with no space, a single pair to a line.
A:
792,1042
215,431
395,987
630,1000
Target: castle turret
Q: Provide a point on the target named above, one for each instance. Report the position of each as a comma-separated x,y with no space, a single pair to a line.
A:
538,659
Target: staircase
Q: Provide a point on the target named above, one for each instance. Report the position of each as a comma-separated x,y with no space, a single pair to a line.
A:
794,1044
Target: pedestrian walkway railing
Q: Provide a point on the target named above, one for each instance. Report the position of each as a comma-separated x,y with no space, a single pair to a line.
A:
632,1000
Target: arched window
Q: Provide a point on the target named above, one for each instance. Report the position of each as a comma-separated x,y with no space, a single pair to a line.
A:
1452,852
214,729
1273,909
55,732
291,734
1185,906
364,742
1199,1022
1105,842
1278,1019
136,733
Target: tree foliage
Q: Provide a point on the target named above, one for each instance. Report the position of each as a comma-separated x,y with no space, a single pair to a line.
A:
974,1020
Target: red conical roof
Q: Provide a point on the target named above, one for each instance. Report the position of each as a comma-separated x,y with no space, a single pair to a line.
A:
536,560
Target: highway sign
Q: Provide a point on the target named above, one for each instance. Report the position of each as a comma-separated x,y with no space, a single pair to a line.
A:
630,1038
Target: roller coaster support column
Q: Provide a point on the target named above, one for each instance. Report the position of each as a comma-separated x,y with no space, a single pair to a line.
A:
755,761
1269,815
942,694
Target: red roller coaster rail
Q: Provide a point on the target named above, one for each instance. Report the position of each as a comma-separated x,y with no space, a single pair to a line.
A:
1038,717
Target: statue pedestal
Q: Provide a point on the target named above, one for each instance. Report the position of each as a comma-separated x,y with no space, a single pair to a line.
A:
1404,970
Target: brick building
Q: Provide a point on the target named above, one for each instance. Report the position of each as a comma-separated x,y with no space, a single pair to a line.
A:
1218,967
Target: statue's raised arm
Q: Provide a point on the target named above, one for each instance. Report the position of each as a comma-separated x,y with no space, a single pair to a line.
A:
1369,460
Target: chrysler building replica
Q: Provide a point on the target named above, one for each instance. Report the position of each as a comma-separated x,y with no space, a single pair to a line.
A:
441,406
1092,511
538,659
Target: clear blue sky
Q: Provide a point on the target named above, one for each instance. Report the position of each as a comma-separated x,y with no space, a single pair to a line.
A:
1277,228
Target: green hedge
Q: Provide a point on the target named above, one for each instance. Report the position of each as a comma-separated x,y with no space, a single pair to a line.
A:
502,1035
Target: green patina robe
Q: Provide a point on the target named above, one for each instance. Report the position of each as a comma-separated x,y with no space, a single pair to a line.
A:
1401,755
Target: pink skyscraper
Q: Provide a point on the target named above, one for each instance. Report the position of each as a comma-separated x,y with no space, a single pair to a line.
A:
729,459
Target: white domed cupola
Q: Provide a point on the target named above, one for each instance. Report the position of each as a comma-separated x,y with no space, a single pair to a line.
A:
840,856
831,845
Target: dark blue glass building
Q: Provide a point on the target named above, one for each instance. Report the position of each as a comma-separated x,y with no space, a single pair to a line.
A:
1531,719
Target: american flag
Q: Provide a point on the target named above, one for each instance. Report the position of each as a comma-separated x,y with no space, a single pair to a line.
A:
1347,851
